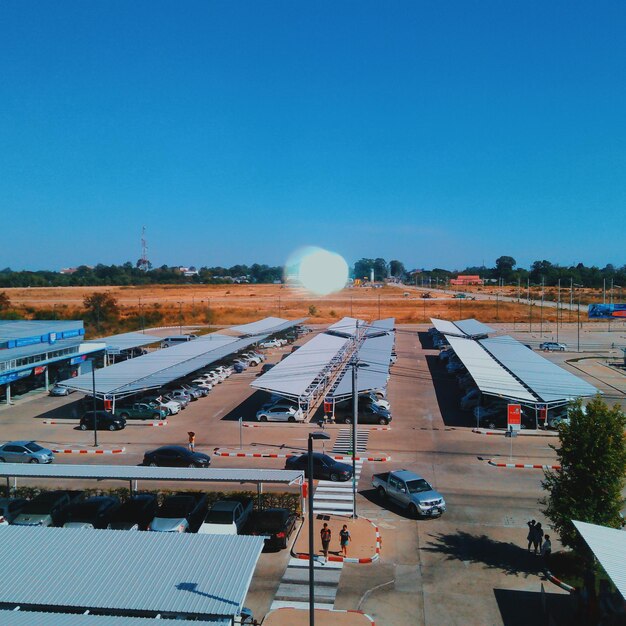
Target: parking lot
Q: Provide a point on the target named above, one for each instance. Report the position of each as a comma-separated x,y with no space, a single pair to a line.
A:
469,566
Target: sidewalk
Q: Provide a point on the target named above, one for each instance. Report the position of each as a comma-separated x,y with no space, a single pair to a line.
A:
323,617
364,546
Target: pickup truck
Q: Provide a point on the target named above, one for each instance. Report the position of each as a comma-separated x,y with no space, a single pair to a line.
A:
227,517
410,491
142,411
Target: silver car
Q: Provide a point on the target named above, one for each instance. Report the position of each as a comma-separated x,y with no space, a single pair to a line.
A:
25,452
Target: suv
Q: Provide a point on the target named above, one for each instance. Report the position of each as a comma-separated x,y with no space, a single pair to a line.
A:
103,419
552,346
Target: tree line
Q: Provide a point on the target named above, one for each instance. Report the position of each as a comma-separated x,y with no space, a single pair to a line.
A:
505,270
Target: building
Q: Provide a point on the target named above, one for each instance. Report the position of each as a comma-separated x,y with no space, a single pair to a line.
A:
36,353
466,280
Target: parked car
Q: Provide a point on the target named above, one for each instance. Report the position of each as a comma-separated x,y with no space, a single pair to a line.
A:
226,517
25,452
270,343
10,508
142,411
470,400
454,366
240,364
46,508
182,399
376,399
444,355
94,512
176,340
183,394
58,390
176,456
266,368
213,378
369,413
495,416
103,421
280,412
203,383
193,391
224,370
171,407
251,359
551,346
393,358
324,467
180,513
275,525
411,492
134,514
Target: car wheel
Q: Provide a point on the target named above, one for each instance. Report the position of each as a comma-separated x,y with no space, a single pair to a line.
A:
112,427
191,465
522,426
263,418
124,415
347,420
491,425
34,461
413,512
383,421
382,494
156,416
83,426
334,477
291,418
153,464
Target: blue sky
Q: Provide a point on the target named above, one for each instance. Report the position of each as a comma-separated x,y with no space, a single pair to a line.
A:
439,133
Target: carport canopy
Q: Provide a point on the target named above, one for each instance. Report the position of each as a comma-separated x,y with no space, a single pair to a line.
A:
267,326
469,328
126,341
346,327
28,618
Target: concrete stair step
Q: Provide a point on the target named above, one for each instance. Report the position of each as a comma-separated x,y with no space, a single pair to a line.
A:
294,604
323,576
289,591
304,563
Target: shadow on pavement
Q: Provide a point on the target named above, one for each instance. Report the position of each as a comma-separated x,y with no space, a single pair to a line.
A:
248,408
426,341
510,558
70,410
520,608
448,394
389,505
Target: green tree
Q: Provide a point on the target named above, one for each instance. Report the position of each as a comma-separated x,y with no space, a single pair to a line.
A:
504,266
396,269
588,487
99,307
5,301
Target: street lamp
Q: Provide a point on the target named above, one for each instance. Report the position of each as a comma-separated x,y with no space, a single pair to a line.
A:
180,318
578,322
355,421
312,436
95,410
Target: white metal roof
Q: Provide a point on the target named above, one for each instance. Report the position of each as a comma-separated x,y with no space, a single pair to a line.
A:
160,367
28,618
125,341
490,377
374,354
19,329
378,327
346,326
446,328
190,574
609,547
473,328
269,325
293,375
549,381
139,472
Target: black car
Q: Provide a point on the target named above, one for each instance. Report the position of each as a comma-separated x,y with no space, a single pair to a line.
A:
47,508
324,467
368,414
10,508
104,421
94,512
179,513
276,525
176,456
135,513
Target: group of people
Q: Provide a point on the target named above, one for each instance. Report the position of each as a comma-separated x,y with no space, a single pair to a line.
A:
538,541
326,536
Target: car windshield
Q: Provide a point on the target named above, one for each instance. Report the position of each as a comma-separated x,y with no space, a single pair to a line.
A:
269,521
84,511
175,507
40,506
33,447
417,486
219,517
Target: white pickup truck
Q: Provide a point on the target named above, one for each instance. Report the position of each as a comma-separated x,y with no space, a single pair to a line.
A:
226,517
410,491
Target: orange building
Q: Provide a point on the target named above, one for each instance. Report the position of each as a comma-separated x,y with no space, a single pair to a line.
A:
466,280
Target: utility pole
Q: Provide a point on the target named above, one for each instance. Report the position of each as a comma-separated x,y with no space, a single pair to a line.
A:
541,311
571,299
519,288
558,306
604,291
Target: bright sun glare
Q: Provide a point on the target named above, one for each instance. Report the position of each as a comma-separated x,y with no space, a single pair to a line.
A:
317,270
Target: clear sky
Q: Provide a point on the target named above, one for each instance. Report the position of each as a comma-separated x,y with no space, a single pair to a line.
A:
439,133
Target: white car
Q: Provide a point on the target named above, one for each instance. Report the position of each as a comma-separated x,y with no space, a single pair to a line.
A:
270,343
223,371
280,412
212,377
203,383
170,406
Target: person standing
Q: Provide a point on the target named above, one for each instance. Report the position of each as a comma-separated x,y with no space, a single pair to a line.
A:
546,550
192,441
531,532
326,535
537,538
344,540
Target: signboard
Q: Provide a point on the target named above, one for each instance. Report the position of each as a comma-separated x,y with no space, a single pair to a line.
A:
78,359
39,370
9,378
514,416
607,311
542,411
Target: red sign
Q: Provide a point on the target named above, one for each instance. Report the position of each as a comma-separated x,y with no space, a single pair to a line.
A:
514,416
39,370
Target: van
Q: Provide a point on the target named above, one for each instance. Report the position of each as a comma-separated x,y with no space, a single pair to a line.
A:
176,339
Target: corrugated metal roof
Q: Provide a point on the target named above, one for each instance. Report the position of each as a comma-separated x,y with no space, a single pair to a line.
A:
447,328
269,325
159,367
473,328
378,327
126,341
19,329
549,381
138,472
346,326
190,574
29,618
609,547
374,353
40,348
293,375
490,377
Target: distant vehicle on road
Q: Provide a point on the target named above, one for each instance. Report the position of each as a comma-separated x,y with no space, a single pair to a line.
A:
426,294
464,296
410,491
176,340
176,456
552,346
25,452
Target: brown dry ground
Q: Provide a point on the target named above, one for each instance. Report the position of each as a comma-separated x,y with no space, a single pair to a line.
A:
228,304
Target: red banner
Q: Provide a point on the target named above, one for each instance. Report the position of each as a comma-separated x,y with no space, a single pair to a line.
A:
514,416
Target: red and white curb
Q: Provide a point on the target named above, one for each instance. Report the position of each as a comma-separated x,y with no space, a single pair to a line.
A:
251,425
348,559
524,431
288,608
75,451
559,583
525,465
164,423
275,455
57,422
380,428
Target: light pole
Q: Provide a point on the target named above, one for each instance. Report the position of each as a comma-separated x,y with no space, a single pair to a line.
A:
316,435
578,322
355,422
180,318
95,410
